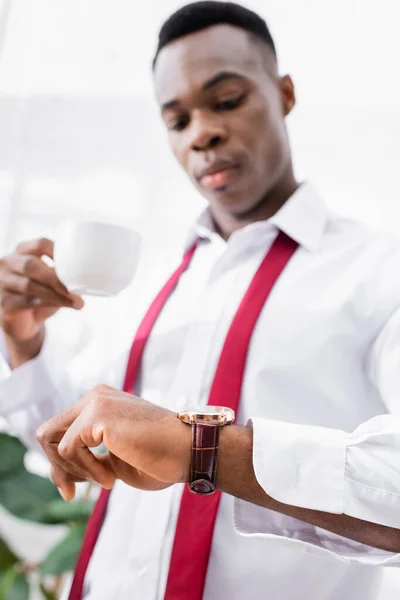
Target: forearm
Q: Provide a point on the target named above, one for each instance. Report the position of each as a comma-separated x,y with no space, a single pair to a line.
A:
236,477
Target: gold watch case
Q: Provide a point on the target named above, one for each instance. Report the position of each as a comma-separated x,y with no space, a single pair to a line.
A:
218,415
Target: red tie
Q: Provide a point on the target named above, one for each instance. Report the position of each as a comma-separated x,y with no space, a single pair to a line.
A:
197,514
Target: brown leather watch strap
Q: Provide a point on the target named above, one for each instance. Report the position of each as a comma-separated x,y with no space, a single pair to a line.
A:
203,472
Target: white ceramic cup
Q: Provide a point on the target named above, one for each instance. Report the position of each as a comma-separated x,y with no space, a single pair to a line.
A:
96,259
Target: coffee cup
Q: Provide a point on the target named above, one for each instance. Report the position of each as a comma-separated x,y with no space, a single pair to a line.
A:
94,258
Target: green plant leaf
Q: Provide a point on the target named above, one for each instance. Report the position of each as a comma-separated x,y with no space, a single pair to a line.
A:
13,585
47,593
59,511
27,496
12,453
7,577
62,557
19,589
7,556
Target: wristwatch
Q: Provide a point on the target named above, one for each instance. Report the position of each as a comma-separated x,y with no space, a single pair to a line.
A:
206,422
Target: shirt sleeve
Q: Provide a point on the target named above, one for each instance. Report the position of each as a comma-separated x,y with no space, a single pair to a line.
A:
357,473
30,395
59,376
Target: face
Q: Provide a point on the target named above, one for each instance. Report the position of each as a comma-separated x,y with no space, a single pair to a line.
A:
224,106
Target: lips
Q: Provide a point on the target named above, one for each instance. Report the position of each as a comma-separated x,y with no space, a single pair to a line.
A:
218,174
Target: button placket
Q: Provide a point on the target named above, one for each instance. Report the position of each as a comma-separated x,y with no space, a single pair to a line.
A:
151,523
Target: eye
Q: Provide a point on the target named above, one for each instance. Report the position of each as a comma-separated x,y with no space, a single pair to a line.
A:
178,124
230,103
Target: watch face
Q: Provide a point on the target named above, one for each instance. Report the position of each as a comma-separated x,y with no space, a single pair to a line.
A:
219,414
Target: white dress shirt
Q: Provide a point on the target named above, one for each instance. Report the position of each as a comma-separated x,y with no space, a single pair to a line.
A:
321,389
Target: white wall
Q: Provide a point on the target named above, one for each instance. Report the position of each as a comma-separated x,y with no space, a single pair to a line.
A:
80,131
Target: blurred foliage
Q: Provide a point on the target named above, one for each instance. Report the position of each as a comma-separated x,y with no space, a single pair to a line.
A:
13,585
36,499
63,556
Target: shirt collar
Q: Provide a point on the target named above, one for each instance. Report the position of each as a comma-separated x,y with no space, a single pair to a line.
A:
303,218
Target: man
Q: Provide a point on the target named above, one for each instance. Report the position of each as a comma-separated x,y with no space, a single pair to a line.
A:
310,471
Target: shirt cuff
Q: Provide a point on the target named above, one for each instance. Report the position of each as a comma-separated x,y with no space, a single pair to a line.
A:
16,385
255,521
300,465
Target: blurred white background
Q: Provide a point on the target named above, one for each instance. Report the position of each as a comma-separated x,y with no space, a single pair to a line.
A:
80,132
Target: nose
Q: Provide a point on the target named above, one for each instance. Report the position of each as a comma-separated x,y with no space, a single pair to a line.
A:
207,132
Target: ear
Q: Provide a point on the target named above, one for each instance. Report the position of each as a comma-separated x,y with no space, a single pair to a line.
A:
288,95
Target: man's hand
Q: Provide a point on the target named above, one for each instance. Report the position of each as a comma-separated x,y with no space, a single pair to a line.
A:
149,448
30,293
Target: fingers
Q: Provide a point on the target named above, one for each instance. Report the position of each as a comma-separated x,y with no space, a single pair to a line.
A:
58,462
64,473
64,482
33,268
49,436
53,430
11,302
76,452
133,477
25,293
70,457
39,247
27,275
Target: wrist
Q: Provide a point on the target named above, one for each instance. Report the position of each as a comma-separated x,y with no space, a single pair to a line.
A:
20,352
184,435
235,457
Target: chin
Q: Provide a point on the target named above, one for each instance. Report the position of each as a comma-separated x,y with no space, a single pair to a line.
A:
238,202
233,204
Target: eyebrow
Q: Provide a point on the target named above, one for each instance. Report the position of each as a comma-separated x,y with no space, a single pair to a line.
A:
214,80
221,76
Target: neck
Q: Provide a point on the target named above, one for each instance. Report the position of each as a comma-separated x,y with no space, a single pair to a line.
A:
227,222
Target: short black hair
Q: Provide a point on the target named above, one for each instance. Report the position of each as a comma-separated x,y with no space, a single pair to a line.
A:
200,15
